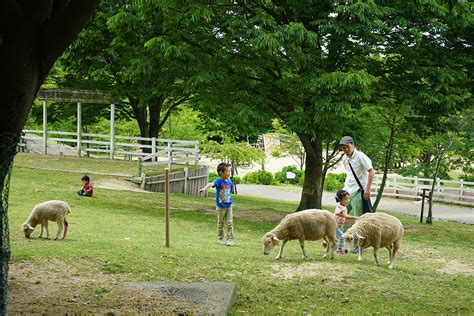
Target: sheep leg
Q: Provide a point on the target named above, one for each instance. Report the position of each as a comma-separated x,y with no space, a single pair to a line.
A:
47,230
359,256
66,224
330,248
280,253
375,255
396,246
302,248
390,253
42,228
60,228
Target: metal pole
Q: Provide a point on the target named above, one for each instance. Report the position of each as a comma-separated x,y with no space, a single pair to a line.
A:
422,205
45,128
112,130
167,207
79,128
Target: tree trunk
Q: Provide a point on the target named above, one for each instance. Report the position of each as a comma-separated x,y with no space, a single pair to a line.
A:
388,158
8,143
149,125
312,194
155,115
33,34
141,116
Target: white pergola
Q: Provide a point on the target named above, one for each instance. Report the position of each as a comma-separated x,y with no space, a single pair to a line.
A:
78,96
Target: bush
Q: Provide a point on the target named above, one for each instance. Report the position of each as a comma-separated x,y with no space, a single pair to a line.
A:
236,180
334,181
259,177
468,178
214,175
280,176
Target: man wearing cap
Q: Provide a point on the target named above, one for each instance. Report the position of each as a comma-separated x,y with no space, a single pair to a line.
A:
362,166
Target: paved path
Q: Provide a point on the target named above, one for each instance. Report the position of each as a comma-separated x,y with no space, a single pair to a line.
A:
440,211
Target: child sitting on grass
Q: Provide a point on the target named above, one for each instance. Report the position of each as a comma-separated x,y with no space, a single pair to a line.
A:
342,197
87,188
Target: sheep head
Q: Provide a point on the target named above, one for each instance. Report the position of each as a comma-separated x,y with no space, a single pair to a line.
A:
351,238
269,241
27,229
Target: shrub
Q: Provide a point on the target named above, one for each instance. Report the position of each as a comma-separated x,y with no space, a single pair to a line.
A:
213,176
280,176
334,181
236,180
259,177
469,178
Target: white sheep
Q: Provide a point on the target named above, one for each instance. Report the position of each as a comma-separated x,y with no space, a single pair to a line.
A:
311,224
377,230
53,210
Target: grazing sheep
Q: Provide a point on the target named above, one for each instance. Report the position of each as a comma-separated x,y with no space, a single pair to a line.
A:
309,224
47,211
376,230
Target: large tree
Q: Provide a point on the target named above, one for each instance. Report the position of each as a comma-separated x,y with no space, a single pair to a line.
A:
33,34
300,62
134,51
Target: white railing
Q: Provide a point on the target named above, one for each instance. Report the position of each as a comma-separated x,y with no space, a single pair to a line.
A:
151,149
454,191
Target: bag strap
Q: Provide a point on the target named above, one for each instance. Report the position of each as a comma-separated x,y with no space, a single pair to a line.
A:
355,176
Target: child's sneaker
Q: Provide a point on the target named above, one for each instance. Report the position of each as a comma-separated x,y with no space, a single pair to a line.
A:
221,241
340,252
356,250
230,242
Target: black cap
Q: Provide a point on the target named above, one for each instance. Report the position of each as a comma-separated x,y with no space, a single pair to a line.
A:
346,140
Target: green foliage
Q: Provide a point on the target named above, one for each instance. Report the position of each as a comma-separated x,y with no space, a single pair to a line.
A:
280,176
334,181
238,153
259,177
213,176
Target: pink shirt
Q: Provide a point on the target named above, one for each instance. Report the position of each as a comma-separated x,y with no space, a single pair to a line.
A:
339,213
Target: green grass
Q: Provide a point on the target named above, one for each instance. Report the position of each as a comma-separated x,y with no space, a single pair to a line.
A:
121,235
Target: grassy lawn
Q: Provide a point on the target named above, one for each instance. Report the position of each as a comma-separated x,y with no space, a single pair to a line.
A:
118,236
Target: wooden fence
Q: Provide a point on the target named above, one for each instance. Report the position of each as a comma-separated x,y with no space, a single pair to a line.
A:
186,181
452,191
159,150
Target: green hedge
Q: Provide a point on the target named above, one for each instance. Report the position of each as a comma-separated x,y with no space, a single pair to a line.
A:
280,175
259,177
334,181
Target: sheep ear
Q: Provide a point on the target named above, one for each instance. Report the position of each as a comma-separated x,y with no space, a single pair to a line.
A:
275,238
360,237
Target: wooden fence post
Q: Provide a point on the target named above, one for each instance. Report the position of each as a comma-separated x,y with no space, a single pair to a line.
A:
79,128
112,130
169,154
45,127
167,207
186,175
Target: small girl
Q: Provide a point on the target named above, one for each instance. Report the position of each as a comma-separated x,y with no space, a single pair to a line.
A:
87,188
343,198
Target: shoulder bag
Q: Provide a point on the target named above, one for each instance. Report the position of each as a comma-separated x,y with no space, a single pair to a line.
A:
366,204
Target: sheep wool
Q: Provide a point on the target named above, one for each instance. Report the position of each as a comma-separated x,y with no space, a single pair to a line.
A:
311,224
376,230
53,210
